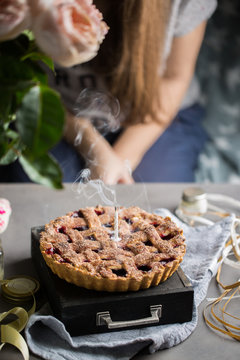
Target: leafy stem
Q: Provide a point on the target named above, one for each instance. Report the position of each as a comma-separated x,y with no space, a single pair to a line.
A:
31,113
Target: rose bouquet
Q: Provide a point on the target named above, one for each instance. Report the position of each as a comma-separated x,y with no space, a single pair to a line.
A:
33,33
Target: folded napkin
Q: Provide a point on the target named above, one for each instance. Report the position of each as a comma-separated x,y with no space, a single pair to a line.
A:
47,337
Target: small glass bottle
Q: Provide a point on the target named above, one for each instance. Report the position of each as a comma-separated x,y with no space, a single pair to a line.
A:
1,261
194,200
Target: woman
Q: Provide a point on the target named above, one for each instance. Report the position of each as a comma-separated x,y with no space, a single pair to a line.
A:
147,62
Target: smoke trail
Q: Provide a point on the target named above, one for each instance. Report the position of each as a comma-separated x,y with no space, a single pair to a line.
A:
96,190
102,109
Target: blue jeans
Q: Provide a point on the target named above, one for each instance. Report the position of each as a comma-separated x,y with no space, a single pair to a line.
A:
172,158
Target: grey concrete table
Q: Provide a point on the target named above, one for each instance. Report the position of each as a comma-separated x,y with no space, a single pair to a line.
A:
34,205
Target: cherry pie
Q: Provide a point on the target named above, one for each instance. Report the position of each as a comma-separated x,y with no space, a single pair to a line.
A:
80,248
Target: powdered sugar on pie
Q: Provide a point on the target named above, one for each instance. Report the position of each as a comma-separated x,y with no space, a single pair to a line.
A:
80,248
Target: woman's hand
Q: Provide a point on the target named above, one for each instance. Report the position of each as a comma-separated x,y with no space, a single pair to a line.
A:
100,157
107,166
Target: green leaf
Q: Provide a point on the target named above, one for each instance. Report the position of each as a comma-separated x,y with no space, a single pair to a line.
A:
40,119
12,70
16,47
10,147
43,170
20,86
12,135
8,157
5,104
38,56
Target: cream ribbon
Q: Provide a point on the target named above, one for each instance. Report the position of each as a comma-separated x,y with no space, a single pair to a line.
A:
230,293
10,332
192,214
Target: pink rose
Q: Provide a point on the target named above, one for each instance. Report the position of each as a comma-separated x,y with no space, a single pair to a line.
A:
14,18
69,31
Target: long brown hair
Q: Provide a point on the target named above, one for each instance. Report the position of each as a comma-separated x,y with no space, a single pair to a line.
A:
130,56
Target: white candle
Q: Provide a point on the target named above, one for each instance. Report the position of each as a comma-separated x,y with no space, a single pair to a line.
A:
116,238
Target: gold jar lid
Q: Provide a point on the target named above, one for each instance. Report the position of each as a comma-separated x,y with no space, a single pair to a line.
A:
20,288
192,194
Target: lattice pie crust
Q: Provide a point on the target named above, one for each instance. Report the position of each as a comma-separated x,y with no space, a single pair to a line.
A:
80,248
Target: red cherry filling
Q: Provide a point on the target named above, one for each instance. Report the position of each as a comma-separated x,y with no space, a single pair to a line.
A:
167,237
166,261
128,221
81,228
90,237
155,224
77,214
126,248
108,225
120,272
64,261
144,268
148,243
98,212
62,230
135,230
50,251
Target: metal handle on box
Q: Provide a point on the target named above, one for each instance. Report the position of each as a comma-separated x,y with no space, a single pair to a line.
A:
104,318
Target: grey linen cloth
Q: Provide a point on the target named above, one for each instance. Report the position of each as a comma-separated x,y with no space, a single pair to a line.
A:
46,336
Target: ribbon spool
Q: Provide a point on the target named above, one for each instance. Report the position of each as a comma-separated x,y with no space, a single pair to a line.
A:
193,206
196,207
17,289
194,200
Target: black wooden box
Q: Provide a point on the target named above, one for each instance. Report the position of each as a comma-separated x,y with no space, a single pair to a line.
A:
86,311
